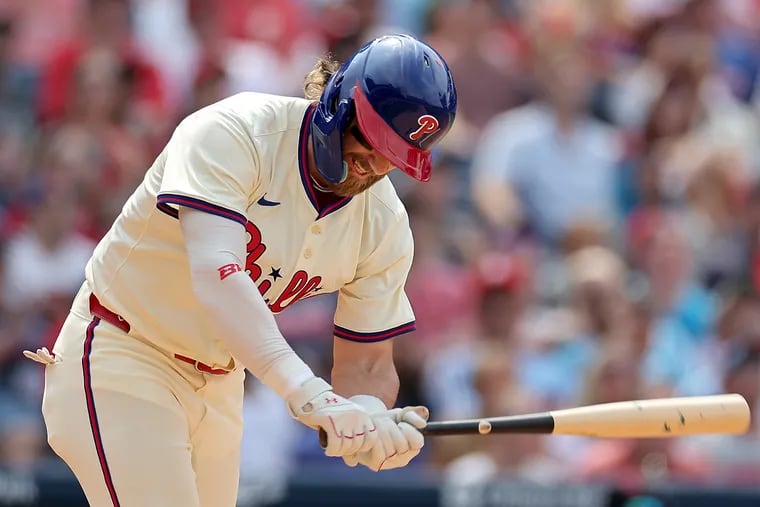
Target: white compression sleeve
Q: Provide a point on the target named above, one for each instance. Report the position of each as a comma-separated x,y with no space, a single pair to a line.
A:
244,322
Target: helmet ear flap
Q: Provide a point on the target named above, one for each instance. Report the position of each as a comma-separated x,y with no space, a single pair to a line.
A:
327,138
334,101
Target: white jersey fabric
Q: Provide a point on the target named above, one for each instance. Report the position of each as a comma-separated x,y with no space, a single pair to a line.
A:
245,158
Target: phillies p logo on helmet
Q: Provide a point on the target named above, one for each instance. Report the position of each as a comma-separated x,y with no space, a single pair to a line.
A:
428,124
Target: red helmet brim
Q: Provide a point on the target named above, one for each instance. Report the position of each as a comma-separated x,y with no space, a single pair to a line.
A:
412,160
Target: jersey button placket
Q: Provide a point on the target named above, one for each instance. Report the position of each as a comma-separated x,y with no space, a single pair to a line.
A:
307,253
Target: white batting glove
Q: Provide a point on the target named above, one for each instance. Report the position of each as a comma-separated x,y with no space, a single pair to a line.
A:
349,427
399,438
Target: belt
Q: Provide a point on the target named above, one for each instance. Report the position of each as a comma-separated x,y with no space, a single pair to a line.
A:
100,311
104,313
201,367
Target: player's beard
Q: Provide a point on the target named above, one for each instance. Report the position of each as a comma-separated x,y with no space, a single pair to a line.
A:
354,184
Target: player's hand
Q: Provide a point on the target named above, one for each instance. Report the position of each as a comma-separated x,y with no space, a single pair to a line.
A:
349,427
399,439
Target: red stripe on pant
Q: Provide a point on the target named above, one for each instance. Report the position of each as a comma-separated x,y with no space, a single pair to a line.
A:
91,411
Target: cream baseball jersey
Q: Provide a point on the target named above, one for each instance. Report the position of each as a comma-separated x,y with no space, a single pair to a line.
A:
245,158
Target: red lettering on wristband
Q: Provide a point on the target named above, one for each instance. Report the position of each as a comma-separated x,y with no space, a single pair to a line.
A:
227,270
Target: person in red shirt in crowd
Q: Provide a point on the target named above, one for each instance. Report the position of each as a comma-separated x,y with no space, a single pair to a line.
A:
106,29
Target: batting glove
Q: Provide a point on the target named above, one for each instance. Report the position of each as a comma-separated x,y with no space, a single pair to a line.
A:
349,426
399,438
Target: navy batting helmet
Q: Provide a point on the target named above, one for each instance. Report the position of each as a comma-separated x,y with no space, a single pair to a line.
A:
402,95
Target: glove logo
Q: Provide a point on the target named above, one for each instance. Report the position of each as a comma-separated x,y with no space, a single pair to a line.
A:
428,124
331,401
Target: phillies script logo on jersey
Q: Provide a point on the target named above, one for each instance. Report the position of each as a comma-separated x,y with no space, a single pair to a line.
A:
299,286
428,124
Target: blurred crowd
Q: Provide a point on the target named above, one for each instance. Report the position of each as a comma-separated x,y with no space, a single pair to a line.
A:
591,232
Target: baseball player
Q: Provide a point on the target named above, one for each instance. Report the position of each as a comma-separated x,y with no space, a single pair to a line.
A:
256,202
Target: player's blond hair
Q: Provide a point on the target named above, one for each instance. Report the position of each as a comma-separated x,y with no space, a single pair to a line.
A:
318,76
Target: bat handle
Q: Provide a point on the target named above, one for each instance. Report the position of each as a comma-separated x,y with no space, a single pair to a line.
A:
397,415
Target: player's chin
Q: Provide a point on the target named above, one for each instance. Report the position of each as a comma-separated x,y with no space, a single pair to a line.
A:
355,185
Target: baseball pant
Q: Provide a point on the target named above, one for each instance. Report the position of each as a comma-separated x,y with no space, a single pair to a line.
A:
136,426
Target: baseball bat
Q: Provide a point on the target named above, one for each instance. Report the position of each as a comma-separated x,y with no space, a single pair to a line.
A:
653,418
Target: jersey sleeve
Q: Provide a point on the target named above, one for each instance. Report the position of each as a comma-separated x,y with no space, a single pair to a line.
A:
374,305
211,165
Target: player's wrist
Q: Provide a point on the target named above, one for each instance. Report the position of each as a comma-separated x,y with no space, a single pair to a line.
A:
298,400
287,376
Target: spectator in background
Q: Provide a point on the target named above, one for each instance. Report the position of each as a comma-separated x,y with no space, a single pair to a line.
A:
99,142
737,458
46,258
548,166
269,45
686,44
439,283
15,160
210,85
486,68
439,286
512,457
678,359
633,465
22,441
716,219
664,46
21,444
181,37
348,24
43,266
407,15
739,49
270,440
40,25
752,229
563,344
502,292
671,117
18,88
18,82
106,34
